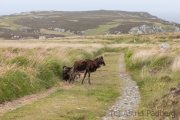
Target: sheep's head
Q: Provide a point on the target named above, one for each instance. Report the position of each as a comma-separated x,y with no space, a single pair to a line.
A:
66,72
100,60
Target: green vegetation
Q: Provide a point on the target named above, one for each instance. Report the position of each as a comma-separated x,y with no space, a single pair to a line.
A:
81,102
20,60
40,68
106,49
136,39
102,29
9,22
155,77
15,83
27,71
167,28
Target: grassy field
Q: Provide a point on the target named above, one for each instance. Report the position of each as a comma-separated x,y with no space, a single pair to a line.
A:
9,23
30,70
32,66
102,29
80,102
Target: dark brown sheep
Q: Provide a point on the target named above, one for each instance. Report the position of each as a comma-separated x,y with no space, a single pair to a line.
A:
87,66
67,73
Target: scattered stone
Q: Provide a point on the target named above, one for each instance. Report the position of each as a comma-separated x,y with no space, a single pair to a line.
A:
42,37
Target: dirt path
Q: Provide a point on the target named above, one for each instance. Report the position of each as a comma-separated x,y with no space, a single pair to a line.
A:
7,106
127,104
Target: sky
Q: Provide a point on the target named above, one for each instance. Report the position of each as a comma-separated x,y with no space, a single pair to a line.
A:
165,9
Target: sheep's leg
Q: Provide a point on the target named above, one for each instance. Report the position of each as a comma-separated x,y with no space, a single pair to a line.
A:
84,77
71,78
74,76
89,79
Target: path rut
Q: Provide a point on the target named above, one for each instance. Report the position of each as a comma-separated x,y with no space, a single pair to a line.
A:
12,105
127,104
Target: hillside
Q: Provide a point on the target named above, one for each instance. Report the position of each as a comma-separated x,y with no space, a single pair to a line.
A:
50,24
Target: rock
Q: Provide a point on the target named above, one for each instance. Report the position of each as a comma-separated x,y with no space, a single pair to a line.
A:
177,29
165,47
134,40
145,29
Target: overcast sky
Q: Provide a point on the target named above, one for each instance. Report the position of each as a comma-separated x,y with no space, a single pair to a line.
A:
166,9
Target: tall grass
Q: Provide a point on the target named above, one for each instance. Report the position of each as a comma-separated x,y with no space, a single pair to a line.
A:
155,73
106,49
27,71
81,102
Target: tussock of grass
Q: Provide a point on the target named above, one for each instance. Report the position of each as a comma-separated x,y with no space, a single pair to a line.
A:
20,60
15,83
143,55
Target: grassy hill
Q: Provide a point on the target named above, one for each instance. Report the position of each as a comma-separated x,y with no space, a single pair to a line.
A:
59,23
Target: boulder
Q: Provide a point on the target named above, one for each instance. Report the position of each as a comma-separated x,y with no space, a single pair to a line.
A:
165,47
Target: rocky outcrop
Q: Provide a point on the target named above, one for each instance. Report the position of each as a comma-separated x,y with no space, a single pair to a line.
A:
165,47
177,29
145,29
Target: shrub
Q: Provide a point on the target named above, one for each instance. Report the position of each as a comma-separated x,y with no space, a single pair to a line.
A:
20,60
50,68
106,49
162,61
128,59
14,84
46,77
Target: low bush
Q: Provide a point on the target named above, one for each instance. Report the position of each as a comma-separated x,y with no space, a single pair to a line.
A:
20,60
14,84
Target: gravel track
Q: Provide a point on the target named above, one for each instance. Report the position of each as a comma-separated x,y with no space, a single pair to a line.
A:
127,104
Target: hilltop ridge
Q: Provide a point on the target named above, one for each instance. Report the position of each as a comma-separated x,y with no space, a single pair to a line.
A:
49,24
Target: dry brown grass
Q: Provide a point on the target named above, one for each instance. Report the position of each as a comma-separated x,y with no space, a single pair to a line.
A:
5,68
46,45
176,64
143,55
45,31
